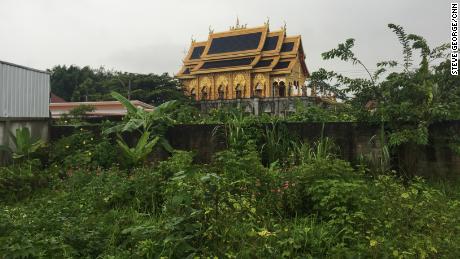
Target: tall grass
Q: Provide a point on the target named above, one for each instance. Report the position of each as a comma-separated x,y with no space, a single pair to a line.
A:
233,129
378,162
322,149
278,143
285,148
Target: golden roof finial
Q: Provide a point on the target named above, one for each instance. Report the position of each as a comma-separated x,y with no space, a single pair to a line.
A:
237,25
267,23
211,31
192,39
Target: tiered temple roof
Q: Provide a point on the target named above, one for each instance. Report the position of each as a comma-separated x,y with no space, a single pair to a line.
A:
244,63
256,49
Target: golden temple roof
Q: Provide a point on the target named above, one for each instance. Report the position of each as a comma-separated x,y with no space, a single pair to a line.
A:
257,49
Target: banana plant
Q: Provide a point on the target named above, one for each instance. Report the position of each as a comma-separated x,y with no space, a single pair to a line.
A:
154,122
140,119
24,144
137,154
150,124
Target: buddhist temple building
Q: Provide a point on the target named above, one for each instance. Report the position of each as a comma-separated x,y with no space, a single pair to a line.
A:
245,63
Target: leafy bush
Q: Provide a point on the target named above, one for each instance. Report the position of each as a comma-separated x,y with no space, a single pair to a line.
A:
20,181
83,149
233,207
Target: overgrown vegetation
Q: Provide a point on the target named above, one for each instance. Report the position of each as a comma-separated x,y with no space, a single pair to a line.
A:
234,207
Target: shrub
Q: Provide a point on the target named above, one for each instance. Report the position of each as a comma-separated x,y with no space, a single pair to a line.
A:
83,150
20,181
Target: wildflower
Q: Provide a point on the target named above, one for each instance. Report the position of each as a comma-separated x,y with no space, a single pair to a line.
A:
89,153
67,146
373,243
405,195
84,142
286,185
264,233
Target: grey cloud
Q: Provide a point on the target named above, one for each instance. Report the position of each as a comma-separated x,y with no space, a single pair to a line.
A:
149,36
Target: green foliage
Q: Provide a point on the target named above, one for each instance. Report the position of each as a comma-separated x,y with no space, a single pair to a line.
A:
20,181
25,146
234,207
409,101
138,153
277,144
141,120
314,113
81,111
82,150
74,83
378,162
150,124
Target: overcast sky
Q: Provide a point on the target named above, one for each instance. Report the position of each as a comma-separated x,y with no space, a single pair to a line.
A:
149,36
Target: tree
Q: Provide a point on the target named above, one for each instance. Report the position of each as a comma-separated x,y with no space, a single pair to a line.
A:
407,101
88,84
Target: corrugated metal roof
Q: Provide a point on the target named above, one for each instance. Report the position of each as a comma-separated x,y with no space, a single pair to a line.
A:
24,67
24,92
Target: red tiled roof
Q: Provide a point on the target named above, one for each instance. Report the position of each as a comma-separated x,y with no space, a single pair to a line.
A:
56,99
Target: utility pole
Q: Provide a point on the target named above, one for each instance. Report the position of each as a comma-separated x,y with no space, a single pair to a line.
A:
124,86
129,89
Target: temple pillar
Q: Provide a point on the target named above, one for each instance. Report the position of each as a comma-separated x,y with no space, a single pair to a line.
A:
256,106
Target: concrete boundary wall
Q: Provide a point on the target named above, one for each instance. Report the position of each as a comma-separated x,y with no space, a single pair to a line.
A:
432,160
437,159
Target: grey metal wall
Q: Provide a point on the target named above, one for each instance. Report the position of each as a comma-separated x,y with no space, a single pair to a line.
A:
24,92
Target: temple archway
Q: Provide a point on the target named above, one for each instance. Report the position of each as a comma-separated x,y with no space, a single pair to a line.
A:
239,91
193,94
274,89
259,85
204,93
222,83
221,92
240,82
259,90
282,89
205,86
